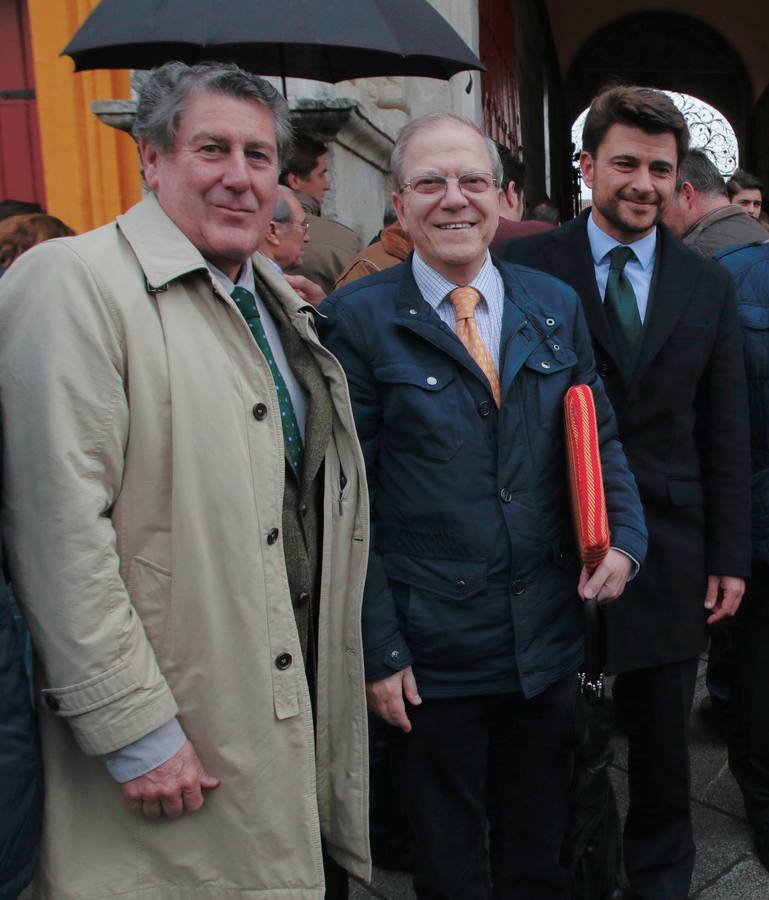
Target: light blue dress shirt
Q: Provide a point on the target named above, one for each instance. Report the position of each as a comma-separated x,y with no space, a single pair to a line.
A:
488,314
639,271
160,745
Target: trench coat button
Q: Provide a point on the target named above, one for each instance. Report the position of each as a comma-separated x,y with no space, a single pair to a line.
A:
52,703
395,655
302,599
545,365
603,369
519,587
431,379
283,661
260,411
505,496
484,408
550,321
272,535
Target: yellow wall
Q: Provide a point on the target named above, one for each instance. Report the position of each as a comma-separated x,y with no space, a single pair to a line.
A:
91,170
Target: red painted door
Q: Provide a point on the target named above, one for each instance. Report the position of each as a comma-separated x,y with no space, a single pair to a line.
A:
498,83
21,169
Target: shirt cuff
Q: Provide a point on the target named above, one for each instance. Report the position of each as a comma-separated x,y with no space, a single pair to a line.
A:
636,564
147,753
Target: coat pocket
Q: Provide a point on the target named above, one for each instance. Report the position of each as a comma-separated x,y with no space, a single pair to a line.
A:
445,611
552,364
150,591
420,409
686,493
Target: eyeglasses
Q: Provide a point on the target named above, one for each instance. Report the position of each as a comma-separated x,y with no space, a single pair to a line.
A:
305,226
437,185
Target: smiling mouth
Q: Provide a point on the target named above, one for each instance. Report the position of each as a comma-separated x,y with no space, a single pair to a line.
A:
455,226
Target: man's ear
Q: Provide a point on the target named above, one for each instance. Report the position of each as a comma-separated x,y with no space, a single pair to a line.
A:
587,165
397,201
294,181
150,158
272,236
689,194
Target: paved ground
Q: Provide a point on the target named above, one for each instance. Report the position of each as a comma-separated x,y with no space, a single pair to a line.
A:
726,868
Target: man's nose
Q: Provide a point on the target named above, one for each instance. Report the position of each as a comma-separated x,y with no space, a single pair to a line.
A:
236,171
453,196
642,181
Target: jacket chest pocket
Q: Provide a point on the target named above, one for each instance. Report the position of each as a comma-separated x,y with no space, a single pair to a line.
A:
420,410
549,371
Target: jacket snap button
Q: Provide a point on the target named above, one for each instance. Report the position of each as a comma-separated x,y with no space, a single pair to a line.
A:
484,408
272,535
550,321
432,380
302,599
412,312
505,496
283,661
556,346
460,584
519,587
603,369
51,702
395,655
545,365
259,411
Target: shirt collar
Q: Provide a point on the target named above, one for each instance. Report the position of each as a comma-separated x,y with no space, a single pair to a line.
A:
434,287
245,277
602,243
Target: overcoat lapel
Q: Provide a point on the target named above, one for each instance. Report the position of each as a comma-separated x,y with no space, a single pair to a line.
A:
571,260
673,288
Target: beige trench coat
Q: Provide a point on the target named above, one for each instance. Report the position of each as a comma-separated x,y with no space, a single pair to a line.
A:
139,493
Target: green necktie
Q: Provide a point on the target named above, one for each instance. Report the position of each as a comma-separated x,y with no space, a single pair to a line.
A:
621,307
292,437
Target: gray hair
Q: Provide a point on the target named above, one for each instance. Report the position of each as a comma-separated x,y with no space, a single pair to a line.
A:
165,92
282,214
699,170
416,126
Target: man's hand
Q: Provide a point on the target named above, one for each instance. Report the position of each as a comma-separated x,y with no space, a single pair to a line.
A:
723,596
307,290
608,581
172,788
385,697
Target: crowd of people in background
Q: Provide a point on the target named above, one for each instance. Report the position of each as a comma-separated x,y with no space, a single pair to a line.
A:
267,490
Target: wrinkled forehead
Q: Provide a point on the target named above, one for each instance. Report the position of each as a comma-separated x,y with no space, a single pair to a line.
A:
446,146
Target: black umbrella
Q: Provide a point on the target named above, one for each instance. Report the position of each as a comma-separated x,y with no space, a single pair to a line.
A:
330,41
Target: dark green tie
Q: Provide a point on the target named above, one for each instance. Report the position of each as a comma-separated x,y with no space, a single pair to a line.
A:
292,437
621,307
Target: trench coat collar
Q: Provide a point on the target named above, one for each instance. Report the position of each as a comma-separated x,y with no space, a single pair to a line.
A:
166,254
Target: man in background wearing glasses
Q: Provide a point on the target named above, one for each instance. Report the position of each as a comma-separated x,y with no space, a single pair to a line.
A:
472,620
284,242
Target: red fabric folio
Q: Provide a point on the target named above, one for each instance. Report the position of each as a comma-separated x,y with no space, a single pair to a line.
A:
588,501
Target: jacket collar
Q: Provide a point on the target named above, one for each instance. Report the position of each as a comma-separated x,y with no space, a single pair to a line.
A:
166,254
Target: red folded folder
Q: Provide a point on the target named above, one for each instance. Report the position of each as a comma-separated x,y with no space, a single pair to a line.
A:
588,501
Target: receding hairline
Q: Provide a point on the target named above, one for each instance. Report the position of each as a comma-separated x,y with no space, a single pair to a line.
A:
413,129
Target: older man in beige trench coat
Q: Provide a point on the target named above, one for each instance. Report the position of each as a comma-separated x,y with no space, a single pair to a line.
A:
193,589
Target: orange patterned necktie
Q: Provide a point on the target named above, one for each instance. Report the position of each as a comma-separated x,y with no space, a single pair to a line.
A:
464,300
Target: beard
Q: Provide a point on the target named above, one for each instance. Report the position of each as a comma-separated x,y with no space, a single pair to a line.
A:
620,217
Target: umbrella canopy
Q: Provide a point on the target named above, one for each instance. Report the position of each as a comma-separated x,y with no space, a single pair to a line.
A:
333,40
